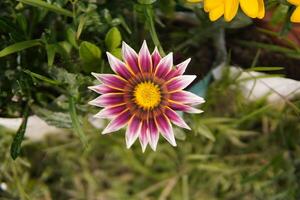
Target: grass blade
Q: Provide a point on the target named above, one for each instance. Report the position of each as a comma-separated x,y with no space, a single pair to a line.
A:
47,6
19,47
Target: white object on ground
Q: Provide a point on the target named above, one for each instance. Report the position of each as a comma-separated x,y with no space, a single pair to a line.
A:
36,128
254,85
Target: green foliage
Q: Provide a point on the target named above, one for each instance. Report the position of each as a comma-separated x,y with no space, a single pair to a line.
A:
236,150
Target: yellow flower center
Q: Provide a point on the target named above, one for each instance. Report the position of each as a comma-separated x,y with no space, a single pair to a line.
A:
147,95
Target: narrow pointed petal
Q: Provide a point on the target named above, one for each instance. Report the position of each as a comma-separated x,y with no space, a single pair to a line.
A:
184,108
111,112
216,13
145,60
179,82
186,97
111,80
250,7
165,128
109,99
143,136
176,119
103,89
296,15
164,66
231,9
133,131
130,57
212,4
155,58
261,9
179,69
153,134
119,122
118,66
294,2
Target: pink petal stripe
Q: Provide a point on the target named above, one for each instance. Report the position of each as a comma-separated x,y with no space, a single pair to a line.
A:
185,108
153,134
179,69
111,80
179,82
130,57
110,112
165,128
103,89
164,66
118,66
133,131
186,97
108,99
145,61
143,135
119,122
155,58
176,119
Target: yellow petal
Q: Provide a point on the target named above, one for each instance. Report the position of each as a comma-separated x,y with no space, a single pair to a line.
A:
212,4
194,1
296,15
261,9
231,8
294,2
250,7
216,13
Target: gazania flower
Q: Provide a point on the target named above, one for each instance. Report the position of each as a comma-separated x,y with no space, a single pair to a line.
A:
296,14
229,8
143,95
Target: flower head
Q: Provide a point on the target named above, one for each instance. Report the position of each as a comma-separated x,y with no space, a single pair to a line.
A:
229,8
296,14
143,95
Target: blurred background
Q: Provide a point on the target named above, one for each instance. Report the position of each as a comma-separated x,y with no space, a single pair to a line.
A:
244,146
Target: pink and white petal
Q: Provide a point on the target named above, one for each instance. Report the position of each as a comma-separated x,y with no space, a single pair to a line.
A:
112,80
103,89
179,82
145,60
111,112
185,108
118,66
108,99
179,69
186,97
133,131
175,118
143,135
119,122
164,66
130,57
155,58
165,127
153,134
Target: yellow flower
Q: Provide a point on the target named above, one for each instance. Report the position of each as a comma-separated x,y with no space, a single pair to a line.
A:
296,14
229,8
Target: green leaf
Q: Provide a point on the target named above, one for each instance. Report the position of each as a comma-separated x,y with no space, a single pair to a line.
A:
117,52
15,148
42,78
71,37
75,121
44,5
205,131
113,38
146,1
265,68
19,47
89,52
51,50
